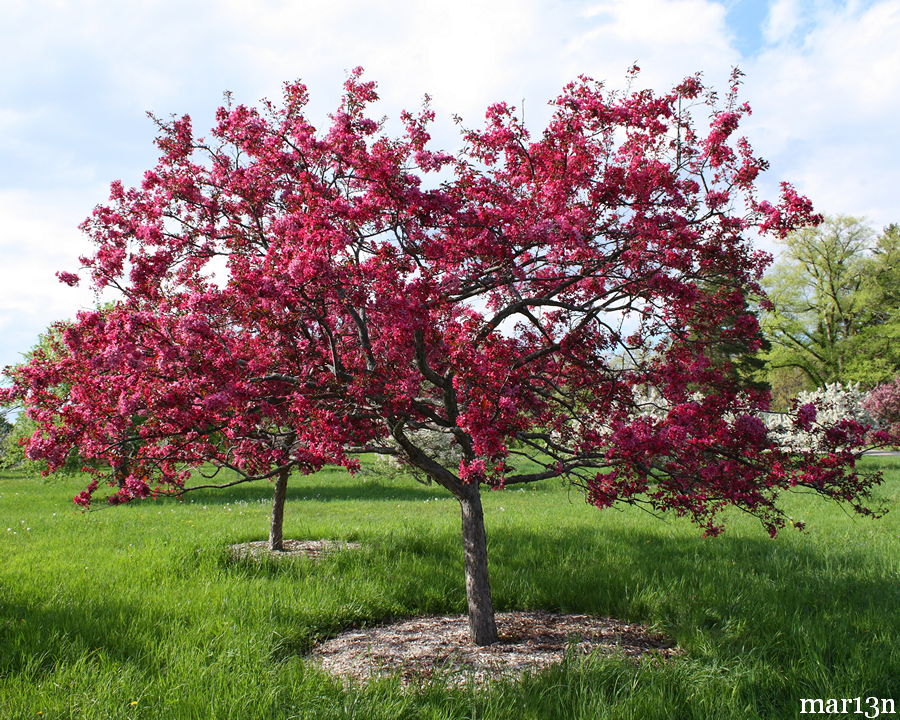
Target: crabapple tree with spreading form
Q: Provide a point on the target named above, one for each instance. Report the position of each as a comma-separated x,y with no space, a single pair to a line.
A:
290,297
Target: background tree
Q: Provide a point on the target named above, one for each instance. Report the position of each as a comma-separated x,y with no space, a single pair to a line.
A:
874,352
742,355
78,404
14,442
59,352
836,292
365,304
813,290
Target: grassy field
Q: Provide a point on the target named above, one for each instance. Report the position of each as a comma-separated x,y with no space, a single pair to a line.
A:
137,612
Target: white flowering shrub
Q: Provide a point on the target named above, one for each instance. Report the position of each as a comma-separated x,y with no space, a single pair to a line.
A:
439,445
832,403
649,402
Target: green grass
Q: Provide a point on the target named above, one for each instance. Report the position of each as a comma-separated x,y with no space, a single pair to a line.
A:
140,604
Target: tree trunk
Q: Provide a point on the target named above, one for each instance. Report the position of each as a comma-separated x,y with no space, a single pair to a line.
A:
276,538
120,472
482,625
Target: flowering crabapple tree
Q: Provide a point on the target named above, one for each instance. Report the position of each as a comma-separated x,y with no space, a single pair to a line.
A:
291,297
883,403
50,347
94,416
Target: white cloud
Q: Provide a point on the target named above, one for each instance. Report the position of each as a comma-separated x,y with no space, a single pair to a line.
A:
826,105
465,54
669,39
825,90
783,19
37,239
469,53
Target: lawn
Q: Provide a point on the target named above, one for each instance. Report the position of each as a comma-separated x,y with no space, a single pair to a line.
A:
138,612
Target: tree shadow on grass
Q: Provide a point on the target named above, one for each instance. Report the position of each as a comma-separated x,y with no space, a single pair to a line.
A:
808,613
789,607
321,492
37,640
727,601
801,611
632,570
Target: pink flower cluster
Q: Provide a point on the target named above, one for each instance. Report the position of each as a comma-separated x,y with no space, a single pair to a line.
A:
883,404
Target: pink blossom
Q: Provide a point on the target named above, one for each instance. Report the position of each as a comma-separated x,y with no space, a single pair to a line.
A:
68,278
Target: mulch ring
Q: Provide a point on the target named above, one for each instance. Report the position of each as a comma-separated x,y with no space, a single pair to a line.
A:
423,648
314,549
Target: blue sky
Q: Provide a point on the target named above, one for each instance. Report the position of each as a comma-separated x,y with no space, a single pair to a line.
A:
823,78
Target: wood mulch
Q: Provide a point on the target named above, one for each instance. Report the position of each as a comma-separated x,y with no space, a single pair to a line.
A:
314,549
424,648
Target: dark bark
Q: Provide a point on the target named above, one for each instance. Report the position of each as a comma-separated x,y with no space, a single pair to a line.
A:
482,626
120,472
276,537
123,466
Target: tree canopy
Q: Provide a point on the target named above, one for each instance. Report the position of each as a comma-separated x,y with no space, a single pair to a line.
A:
874,353
290,298
15,436
836,297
